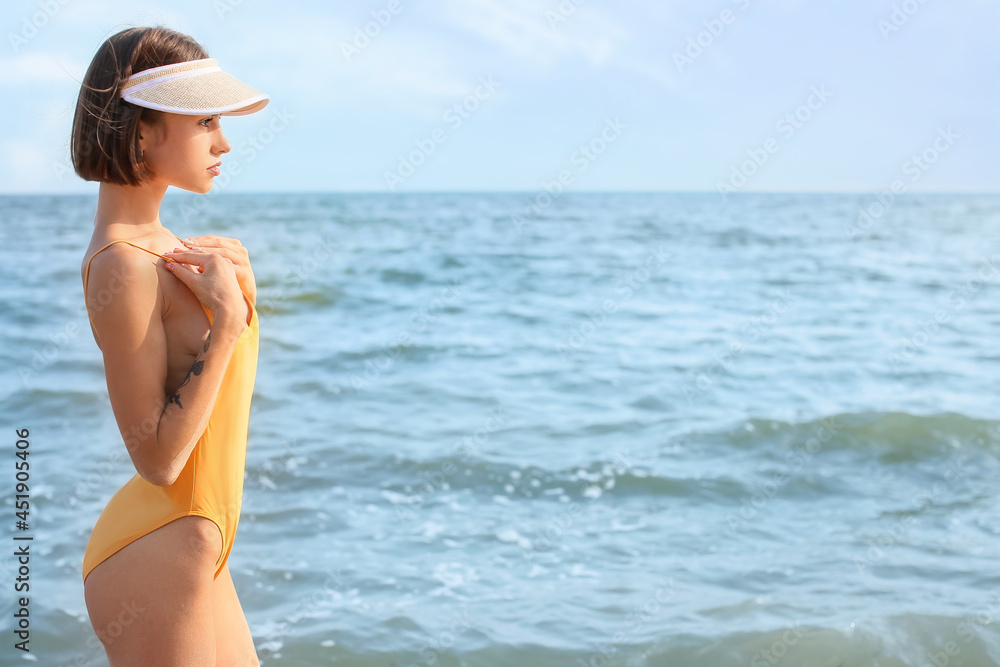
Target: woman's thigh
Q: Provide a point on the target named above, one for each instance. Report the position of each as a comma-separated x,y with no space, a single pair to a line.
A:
151,602
233,642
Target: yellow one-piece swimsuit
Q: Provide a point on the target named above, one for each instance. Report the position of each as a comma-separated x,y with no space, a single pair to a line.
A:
211,483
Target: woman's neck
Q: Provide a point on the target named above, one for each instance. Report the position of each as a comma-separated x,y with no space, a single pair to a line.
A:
129,210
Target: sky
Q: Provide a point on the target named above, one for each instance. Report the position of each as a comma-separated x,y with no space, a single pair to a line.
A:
522,95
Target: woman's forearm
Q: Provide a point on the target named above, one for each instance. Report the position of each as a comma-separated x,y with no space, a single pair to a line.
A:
187,410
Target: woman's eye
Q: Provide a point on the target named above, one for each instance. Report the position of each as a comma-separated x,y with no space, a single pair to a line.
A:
207,120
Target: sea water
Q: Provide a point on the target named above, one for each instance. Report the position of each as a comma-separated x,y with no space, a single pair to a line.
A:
591,429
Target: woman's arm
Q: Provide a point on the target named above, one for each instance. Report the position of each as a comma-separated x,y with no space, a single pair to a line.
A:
159,431
233,250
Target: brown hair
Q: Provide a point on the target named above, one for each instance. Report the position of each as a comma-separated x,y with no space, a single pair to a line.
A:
104,145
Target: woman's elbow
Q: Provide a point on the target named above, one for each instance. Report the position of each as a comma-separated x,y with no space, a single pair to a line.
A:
151,465
159,476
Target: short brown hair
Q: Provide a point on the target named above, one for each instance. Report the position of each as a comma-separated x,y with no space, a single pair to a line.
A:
104,145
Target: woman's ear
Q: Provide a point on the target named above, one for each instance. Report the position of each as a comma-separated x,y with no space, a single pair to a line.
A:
145,134
151,129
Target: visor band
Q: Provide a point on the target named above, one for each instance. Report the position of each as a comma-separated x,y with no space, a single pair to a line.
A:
143,85
194,87
151,77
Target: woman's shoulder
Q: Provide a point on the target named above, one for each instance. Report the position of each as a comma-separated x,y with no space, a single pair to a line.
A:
117,266
121,251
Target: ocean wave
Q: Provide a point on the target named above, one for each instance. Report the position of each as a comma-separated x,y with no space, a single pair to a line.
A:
894,437
402,277
907,641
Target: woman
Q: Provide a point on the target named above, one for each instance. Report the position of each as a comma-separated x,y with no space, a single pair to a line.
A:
177,325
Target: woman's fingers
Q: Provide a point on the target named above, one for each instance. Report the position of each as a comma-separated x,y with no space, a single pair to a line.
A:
194,261
210,241
229,248
213,241
223,251
189,256
219,245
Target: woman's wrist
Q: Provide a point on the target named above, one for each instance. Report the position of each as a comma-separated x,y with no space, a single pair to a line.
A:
231,318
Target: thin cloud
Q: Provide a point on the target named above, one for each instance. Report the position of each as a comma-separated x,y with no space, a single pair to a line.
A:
522,29
34,68
550,34
398,64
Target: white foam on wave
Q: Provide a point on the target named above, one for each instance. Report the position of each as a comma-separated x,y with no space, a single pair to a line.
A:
398,498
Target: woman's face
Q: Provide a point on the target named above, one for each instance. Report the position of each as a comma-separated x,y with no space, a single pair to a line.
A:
182,149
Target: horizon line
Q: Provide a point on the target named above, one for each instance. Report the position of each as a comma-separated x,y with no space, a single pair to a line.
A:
210,194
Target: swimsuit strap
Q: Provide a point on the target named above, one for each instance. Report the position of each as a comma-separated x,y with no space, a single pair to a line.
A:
86,271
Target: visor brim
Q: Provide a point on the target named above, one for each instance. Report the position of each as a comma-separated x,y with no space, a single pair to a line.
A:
206,94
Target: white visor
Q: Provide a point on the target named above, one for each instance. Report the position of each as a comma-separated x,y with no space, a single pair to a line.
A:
193,88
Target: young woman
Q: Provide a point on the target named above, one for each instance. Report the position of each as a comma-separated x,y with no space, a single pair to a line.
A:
176,322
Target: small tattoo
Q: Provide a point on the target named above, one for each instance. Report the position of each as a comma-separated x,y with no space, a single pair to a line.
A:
196,370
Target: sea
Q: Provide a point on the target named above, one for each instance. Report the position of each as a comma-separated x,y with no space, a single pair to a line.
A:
557,429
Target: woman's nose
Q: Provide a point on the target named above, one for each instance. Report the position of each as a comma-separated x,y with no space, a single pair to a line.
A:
223,145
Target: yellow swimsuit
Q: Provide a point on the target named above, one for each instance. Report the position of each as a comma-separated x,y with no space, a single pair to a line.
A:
211,483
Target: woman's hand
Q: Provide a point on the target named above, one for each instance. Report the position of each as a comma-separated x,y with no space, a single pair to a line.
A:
212,279
232,250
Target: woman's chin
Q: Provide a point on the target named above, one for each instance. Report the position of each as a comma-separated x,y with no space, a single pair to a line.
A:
200,188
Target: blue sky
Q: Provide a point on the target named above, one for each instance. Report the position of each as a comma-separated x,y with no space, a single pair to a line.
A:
756,95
